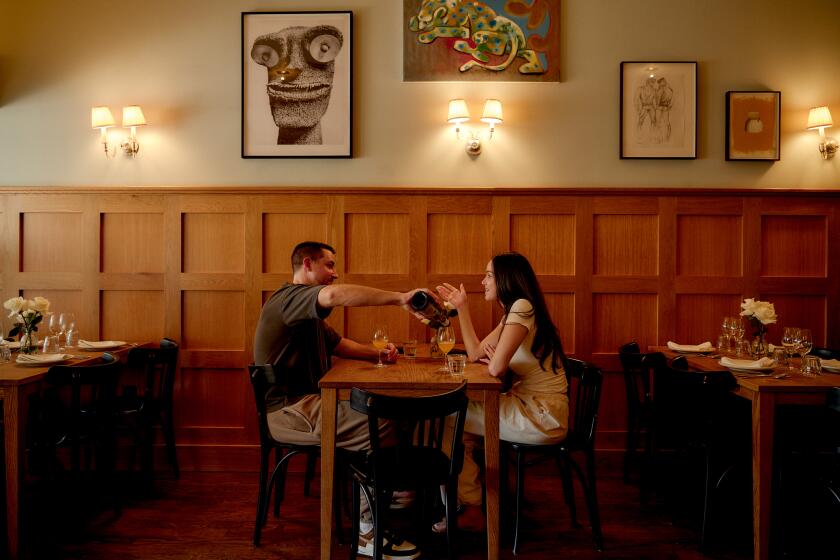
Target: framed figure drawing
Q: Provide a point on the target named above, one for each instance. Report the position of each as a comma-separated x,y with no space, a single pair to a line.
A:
752,125
297,84
658,110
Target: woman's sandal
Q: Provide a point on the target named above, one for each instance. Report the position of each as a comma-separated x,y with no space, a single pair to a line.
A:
470,518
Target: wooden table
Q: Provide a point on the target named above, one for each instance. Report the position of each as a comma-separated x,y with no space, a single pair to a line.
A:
409,377
17,382
765,393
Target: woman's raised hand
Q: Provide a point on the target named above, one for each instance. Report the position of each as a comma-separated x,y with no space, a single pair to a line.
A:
455,296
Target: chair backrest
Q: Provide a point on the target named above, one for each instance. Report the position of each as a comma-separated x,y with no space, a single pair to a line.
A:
687,402
262,379
825,353
636,376
585,382
159,366
92,390
419,422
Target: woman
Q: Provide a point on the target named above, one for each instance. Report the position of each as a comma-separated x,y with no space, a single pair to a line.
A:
525,342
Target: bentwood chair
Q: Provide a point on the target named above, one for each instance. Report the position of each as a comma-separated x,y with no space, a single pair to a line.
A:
152,404
637,386
263,377
75,411
416,461
697,416
585,382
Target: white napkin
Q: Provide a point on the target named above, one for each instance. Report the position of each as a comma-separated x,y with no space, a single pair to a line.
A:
41,358
12,344
705,347
763,363
102,344
833,364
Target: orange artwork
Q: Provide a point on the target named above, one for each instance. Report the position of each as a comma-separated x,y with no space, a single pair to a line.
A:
753,125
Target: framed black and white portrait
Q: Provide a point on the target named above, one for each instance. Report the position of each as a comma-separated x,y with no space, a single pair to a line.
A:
297,84
658,108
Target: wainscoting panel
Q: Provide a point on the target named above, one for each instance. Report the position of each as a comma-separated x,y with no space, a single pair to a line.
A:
196,265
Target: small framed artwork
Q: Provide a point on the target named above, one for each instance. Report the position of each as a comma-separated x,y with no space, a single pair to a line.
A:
752,125
297,84
658,110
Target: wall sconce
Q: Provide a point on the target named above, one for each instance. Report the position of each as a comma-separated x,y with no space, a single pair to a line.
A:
101,118
132,117
459,114
819,118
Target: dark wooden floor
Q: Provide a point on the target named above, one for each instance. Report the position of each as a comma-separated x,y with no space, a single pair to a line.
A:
211,515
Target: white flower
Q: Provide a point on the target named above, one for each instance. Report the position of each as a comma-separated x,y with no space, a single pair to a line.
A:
40,304
761,311
14,305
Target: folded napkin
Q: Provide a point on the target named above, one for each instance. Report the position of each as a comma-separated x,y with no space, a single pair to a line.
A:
763,363
101,344
833,364
705,347
41,358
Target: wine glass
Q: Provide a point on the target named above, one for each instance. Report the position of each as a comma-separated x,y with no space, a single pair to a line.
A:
446,341
739,329
66,322
789,338
380,341
53,324
806,342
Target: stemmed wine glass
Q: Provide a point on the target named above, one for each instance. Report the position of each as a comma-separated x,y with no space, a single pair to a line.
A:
380,341
789,342
53,324
805,342
446,341
66,322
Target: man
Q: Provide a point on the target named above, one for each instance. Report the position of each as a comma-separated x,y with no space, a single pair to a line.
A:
293,336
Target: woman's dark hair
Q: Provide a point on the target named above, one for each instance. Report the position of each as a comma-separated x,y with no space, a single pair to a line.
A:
515,279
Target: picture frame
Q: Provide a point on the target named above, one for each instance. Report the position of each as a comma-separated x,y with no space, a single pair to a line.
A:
658,110
300,104
753,130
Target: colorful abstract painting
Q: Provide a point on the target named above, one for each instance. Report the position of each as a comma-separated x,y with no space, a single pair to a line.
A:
481,40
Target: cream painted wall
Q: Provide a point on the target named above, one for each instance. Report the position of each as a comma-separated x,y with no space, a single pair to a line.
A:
180,59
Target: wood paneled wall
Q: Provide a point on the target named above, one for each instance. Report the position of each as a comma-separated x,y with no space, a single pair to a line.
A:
616,266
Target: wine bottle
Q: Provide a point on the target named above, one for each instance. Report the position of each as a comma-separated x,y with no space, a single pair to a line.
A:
434,314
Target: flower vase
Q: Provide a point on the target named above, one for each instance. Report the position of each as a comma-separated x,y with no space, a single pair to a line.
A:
759,347
27,342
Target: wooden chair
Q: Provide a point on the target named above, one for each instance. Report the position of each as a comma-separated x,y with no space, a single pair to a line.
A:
637,387
585,382
262,378
417,461
142,410
825,353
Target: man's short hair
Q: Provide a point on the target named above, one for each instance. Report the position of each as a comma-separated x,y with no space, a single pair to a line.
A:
311,249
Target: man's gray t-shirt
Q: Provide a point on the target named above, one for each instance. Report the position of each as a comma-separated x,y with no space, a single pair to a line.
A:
292,335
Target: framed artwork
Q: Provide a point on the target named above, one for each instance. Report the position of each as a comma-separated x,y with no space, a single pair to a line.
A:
481,40
752,125
297,84
658,110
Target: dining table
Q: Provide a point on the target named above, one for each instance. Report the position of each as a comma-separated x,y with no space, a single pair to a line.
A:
409,377
17,382
780,386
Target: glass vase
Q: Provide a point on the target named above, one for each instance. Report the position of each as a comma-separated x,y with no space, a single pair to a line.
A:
28,344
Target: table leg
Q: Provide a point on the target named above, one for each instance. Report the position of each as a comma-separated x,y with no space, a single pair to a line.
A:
12,443
763,418
491,467
329,404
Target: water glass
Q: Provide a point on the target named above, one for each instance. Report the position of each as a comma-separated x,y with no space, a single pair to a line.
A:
5,352
410,349
723,344
742,348
811,366
456,363
50,345
72,338
779,356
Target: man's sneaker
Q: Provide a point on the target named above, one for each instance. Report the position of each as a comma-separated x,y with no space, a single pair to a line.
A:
393,548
